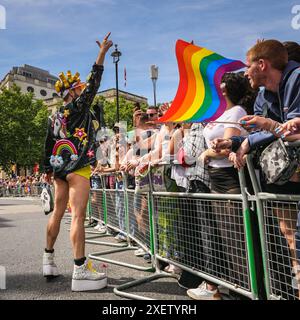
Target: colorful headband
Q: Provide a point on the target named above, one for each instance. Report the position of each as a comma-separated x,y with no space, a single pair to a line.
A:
66,83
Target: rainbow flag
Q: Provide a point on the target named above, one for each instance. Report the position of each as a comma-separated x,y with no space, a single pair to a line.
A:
199,97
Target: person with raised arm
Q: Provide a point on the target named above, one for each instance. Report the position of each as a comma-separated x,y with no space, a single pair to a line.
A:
69,150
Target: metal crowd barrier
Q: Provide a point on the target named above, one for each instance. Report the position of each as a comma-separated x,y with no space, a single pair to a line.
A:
277,215
209,235
98,211
32,191
117,211
120,290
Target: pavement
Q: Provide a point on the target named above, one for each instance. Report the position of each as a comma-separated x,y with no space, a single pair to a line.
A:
22,240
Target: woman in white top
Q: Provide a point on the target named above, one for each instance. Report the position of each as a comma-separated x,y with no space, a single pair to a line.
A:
224,179
237,92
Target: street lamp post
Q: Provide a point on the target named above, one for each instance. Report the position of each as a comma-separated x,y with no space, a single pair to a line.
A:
116,58
154,77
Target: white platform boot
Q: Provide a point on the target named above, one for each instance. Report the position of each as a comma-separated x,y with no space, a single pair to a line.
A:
86,278
49,267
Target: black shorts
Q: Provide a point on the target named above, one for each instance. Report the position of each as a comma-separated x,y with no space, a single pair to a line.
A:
61,175
224,179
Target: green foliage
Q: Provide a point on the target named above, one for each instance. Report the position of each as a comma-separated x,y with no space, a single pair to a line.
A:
110,111
21,117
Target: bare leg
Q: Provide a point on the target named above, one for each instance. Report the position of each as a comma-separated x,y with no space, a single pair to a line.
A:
60,204
79,189
287,223
142,214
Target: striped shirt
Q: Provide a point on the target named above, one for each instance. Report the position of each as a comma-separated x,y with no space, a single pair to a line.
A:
193,146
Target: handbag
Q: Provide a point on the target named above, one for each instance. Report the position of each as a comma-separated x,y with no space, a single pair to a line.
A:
47,199
158,179
278,162
142,179
181,158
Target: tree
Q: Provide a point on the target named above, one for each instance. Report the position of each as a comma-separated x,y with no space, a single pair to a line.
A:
22,128
126,111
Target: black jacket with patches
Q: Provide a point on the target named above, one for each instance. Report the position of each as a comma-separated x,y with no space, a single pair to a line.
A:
70,140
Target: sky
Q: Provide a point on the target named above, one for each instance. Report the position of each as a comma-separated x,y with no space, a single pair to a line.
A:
58,35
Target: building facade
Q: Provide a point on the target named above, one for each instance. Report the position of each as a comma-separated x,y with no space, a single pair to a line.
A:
42,84
53,104
111,94
31,79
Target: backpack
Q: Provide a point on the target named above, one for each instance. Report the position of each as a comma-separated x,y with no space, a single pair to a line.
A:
47,199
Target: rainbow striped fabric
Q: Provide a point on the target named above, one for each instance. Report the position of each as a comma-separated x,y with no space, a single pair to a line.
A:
199,97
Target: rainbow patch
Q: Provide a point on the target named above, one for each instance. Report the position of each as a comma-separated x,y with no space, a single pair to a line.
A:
64,145
199,97
61,146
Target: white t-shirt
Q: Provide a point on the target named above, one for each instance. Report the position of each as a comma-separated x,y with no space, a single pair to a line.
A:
217,130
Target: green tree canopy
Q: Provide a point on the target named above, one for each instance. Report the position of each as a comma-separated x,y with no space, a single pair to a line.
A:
110,111
22,128
24,122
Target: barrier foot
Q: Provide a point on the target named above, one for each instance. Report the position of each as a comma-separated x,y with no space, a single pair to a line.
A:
101,235
111,244
91,236
69,221
96,233
99,256
120,289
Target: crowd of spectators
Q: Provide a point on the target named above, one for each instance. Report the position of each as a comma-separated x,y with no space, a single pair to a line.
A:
262,105
21,186
210,156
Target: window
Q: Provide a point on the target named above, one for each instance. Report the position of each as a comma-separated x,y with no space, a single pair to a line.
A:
51,81
43,92
27,74
30,89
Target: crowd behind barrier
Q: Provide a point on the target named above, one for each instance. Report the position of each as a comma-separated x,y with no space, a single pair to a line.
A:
180,227
116,209
177,228
21,186
199,214
183,222
206,215
236,240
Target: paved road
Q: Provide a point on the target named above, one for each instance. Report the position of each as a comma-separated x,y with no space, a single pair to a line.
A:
22,239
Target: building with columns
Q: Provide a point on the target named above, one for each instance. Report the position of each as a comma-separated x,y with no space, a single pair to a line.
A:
111,94
31,79
42,84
